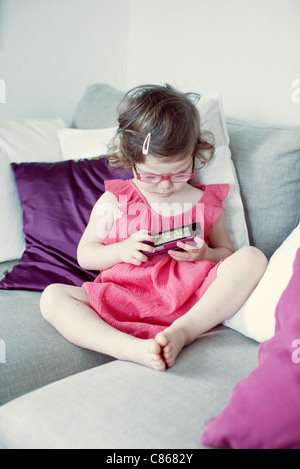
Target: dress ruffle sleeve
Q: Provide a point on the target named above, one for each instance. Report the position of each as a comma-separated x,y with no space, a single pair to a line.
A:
123,191
117,187
132,213
213,197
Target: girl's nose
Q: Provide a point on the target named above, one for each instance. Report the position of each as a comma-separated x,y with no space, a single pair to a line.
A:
165,184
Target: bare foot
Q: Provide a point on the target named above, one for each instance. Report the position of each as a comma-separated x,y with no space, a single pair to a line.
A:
146,352
172,340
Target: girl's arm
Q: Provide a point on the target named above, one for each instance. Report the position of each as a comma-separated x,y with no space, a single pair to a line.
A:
92,254
220,245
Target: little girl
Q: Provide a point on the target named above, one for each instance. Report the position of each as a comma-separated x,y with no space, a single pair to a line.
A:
145,308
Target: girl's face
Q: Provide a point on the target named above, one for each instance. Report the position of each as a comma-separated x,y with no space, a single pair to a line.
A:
152,166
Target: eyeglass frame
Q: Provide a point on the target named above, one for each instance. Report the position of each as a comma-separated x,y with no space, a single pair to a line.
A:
166,177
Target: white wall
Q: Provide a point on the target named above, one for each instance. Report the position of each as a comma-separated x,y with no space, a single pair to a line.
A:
51,50
247,50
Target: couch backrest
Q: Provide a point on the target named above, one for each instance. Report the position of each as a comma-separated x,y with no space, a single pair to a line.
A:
267,161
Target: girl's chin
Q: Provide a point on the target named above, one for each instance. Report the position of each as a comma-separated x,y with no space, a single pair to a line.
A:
163,194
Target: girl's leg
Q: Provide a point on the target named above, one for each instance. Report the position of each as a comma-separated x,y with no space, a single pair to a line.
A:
237,277
67,309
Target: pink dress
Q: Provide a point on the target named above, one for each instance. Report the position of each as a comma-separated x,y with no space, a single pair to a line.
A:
144,300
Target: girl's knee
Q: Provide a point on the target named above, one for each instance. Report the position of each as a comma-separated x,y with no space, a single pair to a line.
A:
57,297
246,261
49,300
254,259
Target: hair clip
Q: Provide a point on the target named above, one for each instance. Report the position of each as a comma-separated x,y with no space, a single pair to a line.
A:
146,145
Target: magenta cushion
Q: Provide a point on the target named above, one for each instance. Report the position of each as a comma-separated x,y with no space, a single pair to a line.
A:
264,409
57,199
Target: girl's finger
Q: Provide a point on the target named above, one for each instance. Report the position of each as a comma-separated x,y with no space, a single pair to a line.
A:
146,247
199,241
142,235
187,246
179,256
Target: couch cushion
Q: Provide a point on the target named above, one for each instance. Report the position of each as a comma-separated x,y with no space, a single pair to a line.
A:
267,161
21,140
36,354
55,219
124,405
256,318
98,107
84,143
264,409
221,169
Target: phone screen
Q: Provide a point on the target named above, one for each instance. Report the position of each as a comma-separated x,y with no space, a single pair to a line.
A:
172,235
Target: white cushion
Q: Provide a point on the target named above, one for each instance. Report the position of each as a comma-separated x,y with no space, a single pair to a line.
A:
81,143
221,168
21,140
256,318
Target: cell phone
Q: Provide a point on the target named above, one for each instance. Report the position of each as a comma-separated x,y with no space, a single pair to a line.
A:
168,239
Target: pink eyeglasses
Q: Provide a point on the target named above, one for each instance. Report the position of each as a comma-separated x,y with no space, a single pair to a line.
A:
151,178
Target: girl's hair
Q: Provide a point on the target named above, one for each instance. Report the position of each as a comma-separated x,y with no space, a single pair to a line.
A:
172,119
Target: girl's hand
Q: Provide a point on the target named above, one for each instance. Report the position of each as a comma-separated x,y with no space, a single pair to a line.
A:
191,253
131,249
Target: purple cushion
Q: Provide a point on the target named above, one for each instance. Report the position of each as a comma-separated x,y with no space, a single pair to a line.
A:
57,199
264,409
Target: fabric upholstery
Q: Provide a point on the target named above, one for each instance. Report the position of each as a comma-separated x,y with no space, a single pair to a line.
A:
267,161
36,354
124,405
264,409
97,108
21,140
55,219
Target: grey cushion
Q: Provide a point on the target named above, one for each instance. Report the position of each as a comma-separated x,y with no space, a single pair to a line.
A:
267,161
124,405
97,108
36,354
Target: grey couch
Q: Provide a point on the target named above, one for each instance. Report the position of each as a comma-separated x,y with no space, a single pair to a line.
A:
56,395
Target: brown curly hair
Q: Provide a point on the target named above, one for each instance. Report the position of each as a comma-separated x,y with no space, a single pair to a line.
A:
170,116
